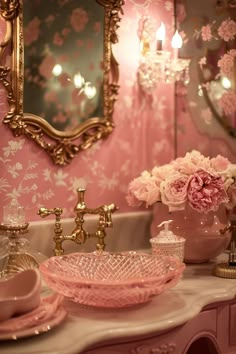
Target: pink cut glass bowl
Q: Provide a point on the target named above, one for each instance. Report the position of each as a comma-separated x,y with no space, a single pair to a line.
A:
111,280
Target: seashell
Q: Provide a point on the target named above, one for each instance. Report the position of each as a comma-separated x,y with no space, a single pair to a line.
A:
18,262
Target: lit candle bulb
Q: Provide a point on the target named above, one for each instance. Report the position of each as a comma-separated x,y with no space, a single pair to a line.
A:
176,43
160,36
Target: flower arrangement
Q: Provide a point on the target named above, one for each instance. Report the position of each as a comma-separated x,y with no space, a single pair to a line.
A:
203,183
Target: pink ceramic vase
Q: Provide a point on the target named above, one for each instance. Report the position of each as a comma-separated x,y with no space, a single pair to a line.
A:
204,239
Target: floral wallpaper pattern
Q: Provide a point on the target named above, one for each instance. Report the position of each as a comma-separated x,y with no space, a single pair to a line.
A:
149,130
223,63
143,135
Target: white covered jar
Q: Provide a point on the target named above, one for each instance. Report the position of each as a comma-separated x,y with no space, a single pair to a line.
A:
167,243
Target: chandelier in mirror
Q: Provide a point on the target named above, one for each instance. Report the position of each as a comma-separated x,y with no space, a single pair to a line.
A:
156,64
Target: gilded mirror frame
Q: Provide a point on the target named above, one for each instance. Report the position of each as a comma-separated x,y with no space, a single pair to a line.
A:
62,147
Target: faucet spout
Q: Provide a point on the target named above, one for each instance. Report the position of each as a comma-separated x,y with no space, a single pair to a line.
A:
79,235
80,206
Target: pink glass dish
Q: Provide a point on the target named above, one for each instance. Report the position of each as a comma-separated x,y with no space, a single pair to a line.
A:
20,294
111,279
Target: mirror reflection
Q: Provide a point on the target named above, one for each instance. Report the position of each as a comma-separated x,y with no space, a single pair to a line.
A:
217,79
63,61
210,29
217,68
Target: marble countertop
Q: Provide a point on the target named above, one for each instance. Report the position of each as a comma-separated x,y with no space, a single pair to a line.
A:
85,327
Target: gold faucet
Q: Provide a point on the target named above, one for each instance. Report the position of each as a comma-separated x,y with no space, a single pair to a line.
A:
79,235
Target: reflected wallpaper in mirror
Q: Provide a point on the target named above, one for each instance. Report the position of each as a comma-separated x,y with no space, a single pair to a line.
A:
63,61
209,34
217,72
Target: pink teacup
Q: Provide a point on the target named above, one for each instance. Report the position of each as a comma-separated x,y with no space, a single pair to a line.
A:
20,294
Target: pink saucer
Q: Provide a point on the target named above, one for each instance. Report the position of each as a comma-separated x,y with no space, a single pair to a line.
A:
46,316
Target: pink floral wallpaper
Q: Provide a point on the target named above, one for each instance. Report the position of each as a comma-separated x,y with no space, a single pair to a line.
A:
149,130
143,135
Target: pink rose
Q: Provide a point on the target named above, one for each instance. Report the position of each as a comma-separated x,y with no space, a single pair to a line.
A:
227,30
79,19
59,118
206,33
32,31
145,188
191,162
180,12
132,200
160,172
232,197
228,102
206,191
58,39
231,171
226,63
220,163
46,66
174,192
50,96
64,80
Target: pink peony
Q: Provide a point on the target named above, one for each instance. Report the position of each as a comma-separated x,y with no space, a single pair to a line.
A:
193,181
174,192
145,188
206,192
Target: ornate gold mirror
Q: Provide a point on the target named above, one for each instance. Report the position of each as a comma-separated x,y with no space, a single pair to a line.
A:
63,79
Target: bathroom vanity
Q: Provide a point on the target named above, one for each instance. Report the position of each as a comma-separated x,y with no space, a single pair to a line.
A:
198,315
